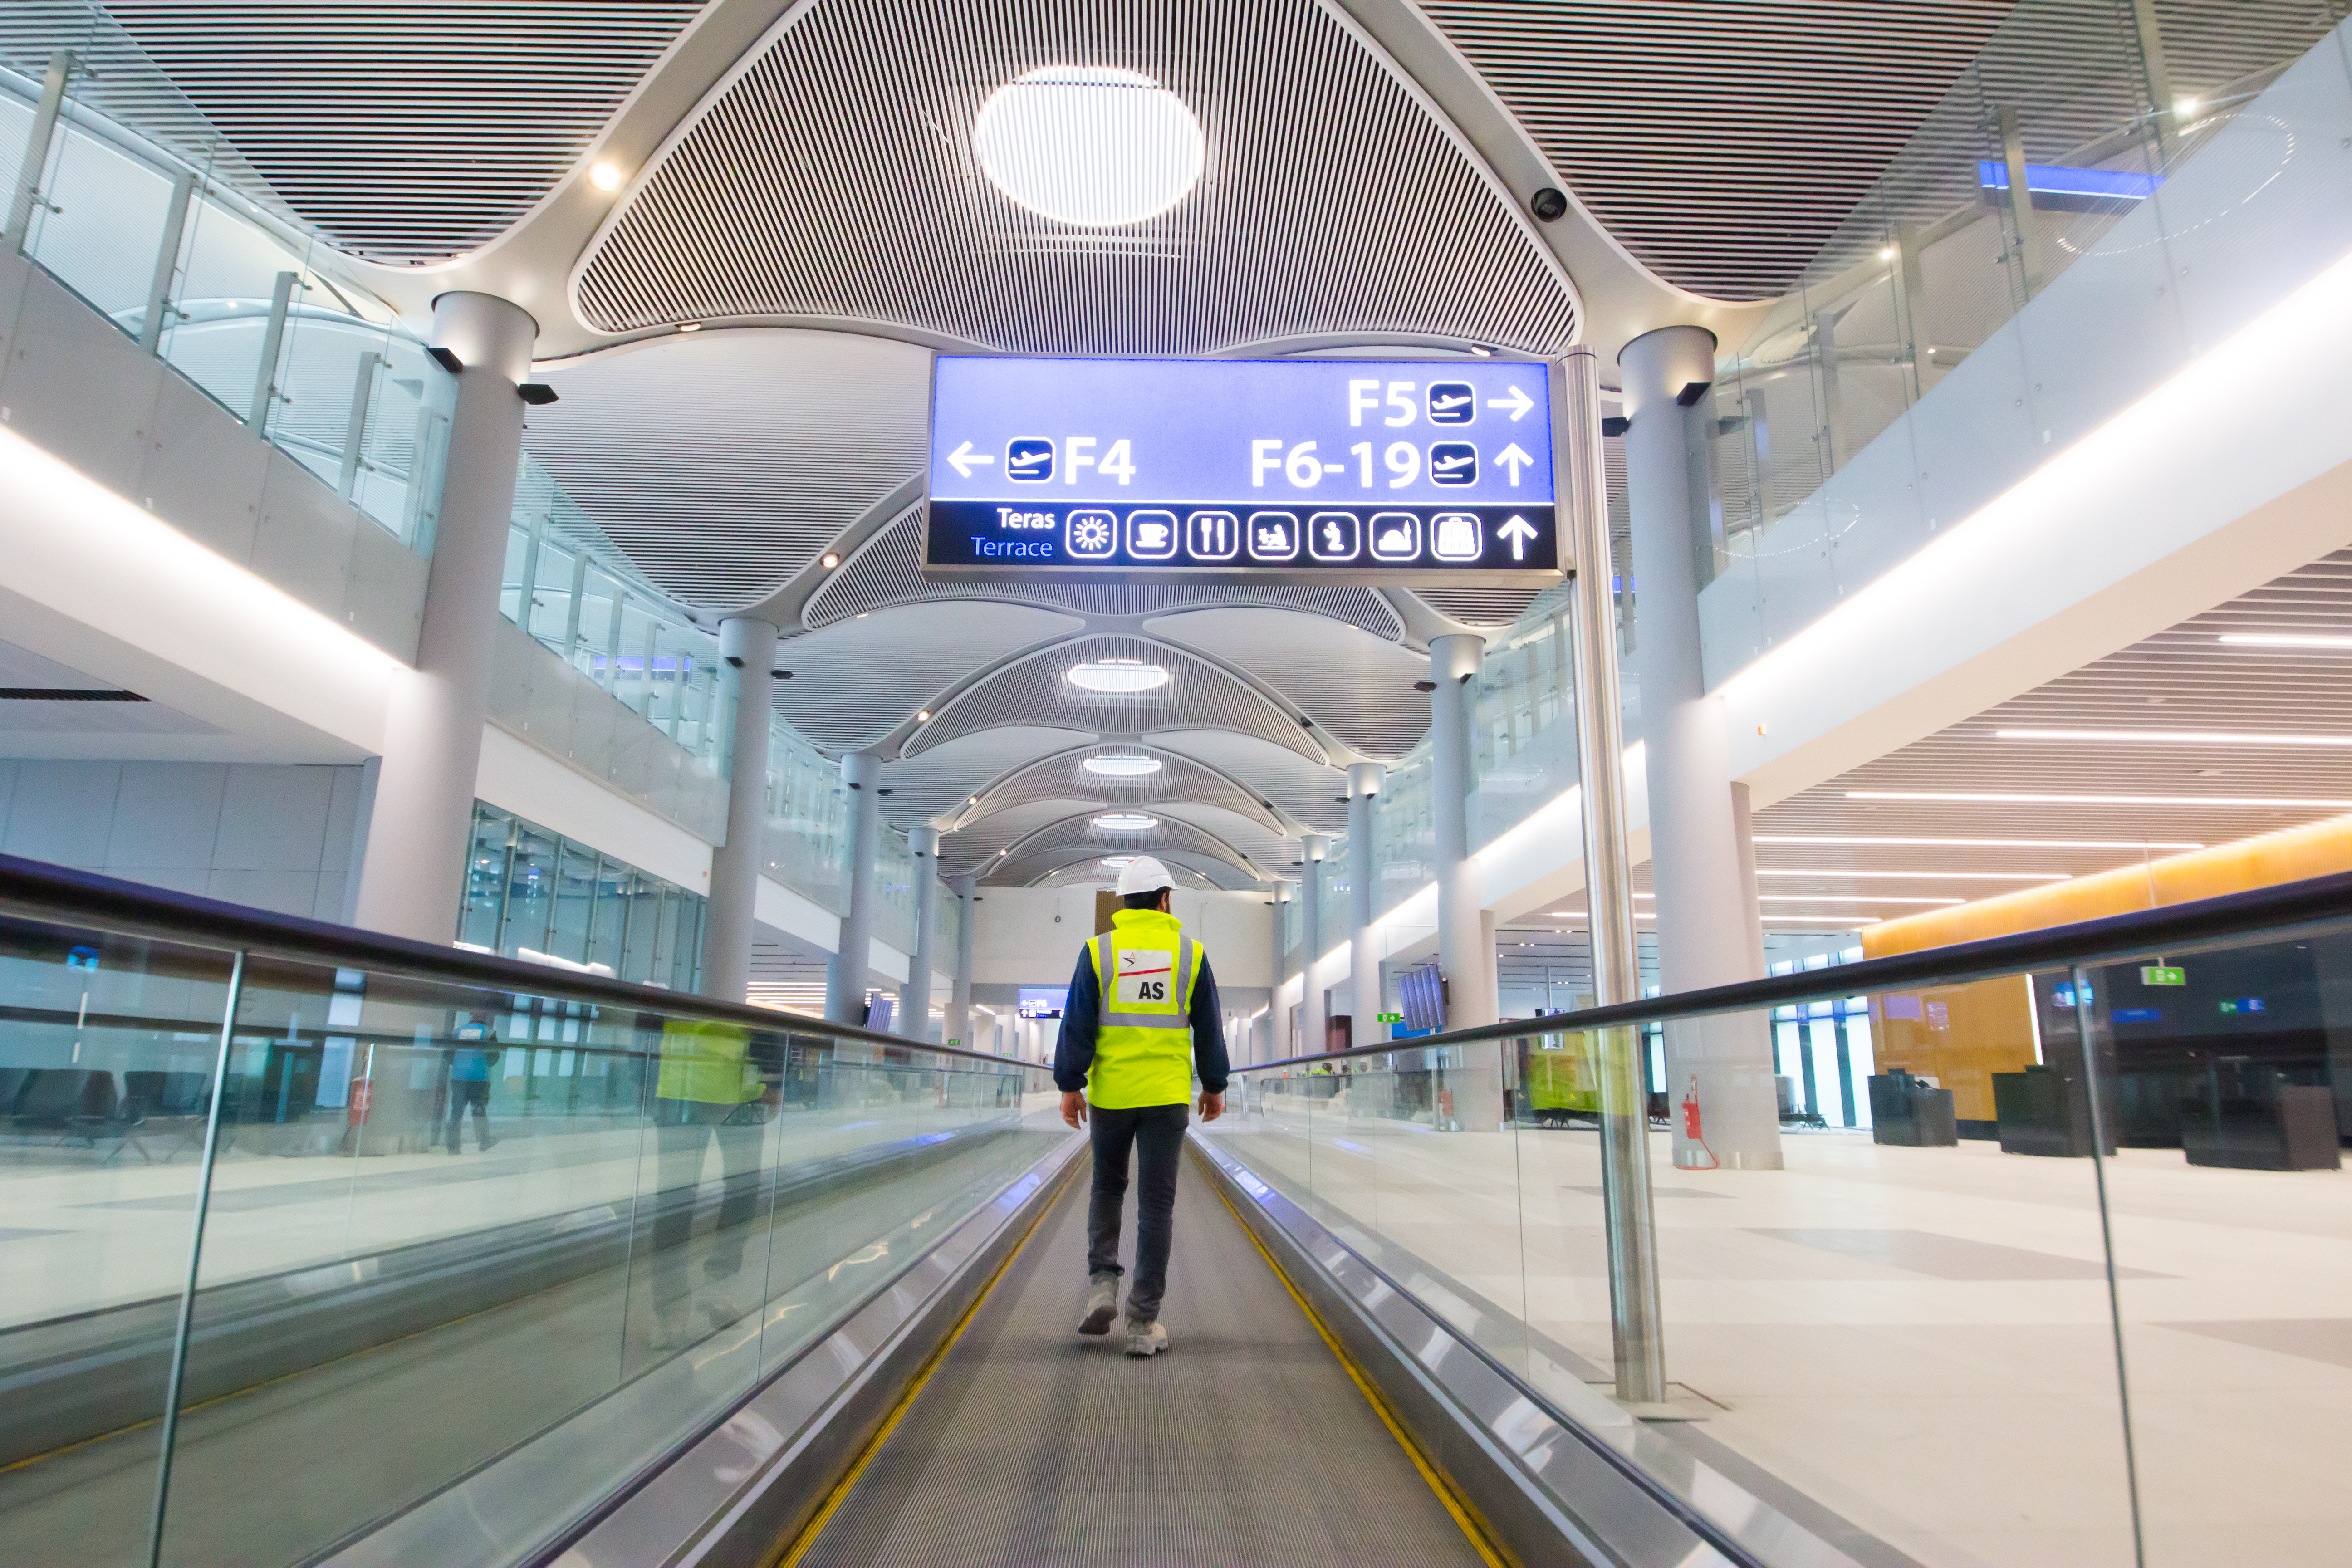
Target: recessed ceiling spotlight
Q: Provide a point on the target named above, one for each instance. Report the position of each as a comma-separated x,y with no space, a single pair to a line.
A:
1126,822
830,560
922,715
1118,675
1887,254
1116,765
689,326
1091,147
605,175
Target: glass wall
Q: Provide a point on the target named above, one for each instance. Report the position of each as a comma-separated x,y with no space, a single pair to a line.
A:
532,894
340,1254
2109,1331
2051,246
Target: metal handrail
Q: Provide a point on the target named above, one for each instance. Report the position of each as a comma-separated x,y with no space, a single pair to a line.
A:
2201,926
38,890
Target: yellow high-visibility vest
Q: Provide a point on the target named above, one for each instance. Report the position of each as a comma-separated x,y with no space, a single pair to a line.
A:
1145,967
708,1061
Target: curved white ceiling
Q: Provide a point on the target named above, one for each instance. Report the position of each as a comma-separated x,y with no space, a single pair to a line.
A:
1355,686
937,784
724,462
855,683
838,164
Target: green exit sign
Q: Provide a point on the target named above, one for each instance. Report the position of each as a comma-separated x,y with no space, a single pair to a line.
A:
2163,975
1392,1017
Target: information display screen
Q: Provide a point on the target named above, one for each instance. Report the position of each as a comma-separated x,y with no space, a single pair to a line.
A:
1299,469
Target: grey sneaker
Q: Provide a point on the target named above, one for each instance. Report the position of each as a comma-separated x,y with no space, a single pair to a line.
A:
1102,1305
1145,1338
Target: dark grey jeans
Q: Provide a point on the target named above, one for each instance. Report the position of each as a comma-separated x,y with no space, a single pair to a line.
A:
1157,1132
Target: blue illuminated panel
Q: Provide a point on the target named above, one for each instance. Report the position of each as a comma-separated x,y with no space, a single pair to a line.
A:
2059,180
1296,469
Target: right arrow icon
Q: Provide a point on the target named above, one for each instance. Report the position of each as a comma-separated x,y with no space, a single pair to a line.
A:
1517,404
1519,531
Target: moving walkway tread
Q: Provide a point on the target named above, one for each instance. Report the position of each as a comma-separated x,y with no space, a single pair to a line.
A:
1247,1442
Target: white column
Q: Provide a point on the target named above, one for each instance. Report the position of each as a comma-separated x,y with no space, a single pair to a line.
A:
1312,1009
1462,955
966,889
414,877
915,995
1726,1064
1276,1046
1364,780
747,648
844,977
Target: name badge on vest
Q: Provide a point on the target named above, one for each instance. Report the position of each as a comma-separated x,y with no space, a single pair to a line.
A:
1144,976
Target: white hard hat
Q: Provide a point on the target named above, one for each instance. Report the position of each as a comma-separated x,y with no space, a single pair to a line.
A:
1143,874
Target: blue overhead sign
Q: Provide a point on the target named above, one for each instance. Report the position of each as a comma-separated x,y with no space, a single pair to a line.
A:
1361,470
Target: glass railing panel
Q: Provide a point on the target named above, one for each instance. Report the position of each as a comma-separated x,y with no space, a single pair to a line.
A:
108,1052
98,221
2224,1080
361,406
484,1253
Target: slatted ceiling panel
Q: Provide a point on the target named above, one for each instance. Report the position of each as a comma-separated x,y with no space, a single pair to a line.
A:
1479,607
1357,686
972,847
1334,202
723,462
2182,679
887,569
1721,144
1032,689
1265,845
1304,790
1179,778
937,784
1056,845
1197,874
853,684
414,131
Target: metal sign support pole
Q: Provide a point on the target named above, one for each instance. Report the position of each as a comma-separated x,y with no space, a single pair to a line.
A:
1583,500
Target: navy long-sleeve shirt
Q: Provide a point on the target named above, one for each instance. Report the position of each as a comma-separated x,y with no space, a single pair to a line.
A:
1074,1052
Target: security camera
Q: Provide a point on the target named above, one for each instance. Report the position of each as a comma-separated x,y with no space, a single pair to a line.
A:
1548,204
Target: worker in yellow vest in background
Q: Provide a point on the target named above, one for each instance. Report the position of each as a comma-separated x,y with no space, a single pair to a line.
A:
1141,1018
717,1084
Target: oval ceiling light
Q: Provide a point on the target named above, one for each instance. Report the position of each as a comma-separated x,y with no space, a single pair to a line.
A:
1116,766
1125,822
1120,675
1091,147
1115,862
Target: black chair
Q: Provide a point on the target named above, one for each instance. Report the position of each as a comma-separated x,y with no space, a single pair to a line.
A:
1907,1113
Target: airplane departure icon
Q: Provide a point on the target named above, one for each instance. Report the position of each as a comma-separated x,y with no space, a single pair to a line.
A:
1453,463
1452,402
1029,459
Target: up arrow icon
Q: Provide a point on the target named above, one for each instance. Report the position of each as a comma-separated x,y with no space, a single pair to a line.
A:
963,458
1514,459
1519,531
1518,402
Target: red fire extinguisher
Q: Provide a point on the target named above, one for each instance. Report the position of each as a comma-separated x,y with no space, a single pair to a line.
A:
363,1090
1691,1126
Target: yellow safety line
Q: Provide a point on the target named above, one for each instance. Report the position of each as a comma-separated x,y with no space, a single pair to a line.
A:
1454,1503
800,1545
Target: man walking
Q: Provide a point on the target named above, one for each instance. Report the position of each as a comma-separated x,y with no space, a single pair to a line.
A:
1141,1018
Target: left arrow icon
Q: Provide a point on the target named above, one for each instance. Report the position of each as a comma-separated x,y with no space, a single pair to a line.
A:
963,458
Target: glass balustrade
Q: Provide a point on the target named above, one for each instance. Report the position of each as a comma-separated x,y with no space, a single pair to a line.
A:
448,1239
2052,1272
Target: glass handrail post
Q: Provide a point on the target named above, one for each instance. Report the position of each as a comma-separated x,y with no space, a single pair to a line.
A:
273,340
37,147
167,264
175,1380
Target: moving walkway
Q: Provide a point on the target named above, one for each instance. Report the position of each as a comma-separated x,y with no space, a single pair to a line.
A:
733,1287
